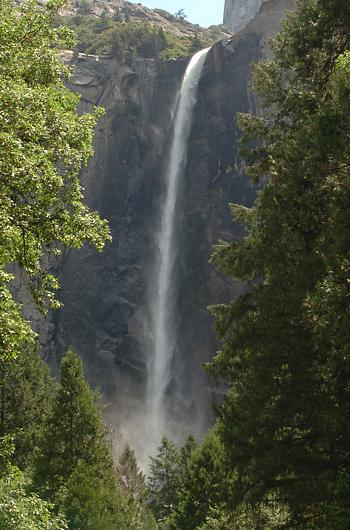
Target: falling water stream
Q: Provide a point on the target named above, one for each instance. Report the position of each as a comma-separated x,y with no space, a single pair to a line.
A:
164,295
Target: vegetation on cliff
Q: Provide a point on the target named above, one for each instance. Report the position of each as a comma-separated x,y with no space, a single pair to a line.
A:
126,38
129,29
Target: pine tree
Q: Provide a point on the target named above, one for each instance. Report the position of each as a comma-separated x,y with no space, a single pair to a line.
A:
133,483
131,477
163,481
204,480
181,14
92,500
26,390
186,453
74,467
286,343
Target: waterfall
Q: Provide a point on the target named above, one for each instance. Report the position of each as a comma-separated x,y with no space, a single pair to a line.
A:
164,292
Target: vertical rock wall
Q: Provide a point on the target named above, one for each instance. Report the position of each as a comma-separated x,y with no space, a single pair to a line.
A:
105,315
238,13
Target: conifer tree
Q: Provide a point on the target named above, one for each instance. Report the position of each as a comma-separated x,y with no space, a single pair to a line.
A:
92,500
185,455
286,343
133,484
74,467
204,480
131,477
26,390
163,481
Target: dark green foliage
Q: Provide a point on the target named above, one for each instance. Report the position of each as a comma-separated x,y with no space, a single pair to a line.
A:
268,515
26,390
131,478
286,345
184,46
204,478
133,484
196,44
169,472
91,500
74,430
74,466
43,144
163,482
185,456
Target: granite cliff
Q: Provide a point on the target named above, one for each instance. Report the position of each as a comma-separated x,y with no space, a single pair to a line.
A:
105,314
238,13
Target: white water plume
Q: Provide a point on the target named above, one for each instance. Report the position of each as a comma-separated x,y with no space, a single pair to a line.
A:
163,300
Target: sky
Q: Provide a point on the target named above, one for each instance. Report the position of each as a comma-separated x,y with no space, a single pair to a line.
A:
202,12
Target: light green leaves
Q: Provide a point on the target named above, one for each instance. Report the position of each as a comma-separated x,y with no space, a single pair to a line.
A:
43,146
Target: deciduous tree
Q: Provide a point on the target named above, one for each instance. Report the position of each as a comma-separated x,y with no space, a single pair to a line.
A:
43,145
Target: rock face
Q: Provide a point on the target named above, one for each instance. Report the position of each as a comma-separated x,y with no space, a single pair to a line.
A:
106,296
238,13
